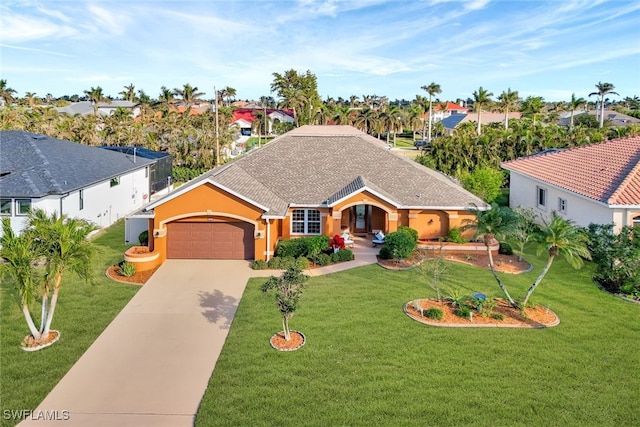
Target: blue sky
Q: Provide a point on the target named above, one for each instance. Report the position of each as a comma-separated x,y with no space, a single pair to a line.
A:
364,47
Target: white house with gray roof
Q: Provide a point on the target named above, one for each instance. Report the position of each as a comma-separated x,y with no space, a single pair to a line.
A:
76,180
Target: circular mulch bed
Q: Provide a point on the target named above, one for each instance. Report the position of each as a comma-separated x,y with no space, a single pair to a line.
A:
502,263
297,340
31,344
533,317
138,278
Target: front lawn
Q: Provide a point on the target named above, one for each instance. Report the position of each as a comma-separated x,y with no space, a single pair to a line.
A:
83,312
367,363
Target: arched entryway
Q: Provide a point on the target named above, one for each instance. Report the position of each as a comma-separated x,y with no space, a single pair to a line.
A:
362,218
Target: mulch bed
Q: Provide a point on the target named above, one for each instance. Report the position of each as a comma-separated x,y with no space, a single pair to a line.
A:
138,278
533,317
296,341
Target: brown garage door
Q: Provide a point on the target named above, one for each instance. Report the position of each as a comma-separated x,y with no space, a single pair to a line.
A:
210,240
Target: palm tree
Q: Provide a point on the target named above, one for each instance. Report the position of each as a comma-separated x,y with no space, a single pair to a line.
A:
560,237
573,105
166,98
603,89
20,256
63,242
229,93
533,106
129,93
481,98
432,89
6,93
96,97
508,101
493,224
189,95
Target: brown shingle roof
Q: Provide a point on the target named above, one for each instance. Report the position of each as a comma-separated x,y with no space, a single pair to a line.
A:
319,165
608,172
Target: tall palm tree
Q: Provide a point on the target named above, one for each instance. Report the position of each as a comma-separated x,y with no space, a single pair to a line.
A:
96,97
533,106
481,99
6,93
367,120
188,94
573,105
229,93
166,98
603,90
508,101
560,237
19,257
63,241
491,225
432,89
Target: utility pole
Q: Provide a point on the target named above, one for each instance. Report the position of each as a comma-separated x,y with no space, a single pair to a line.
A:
217,131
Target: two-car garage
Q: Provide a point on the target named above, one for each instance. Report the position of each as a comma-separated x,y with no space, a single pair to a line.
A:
210,240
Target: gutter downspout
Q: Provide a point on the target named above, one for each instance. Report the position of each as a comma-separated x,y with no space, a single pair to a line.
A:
268,237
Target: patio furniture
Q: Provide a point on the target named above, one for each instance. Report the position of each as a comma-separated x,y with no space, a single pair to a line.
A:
378,239
348,239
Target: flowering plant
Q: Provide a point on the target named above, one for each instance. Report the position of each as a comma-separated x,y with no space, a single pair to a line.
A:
337,242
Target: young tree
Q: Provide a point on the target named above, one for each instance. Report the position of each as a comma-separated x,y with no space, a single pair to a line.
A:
524,229
433,270
560,237
288,288
492,225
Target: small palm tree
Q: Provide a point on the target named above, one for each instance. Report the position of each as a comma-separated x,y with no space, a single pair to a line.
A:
20,256
573,105
432,89
560,237
603,90
189,95
96,97
491,225
6,93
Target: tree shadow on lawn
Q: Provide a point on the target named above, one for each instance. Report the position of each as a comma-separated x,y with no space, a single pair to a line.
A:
218,308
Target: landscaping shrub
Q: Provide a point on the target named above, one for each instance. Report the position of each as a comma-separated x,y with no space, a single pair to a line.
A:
505,249
259,264
302,263
398,244
412,232
287,262
463,311
342,255
455,236
290,247
323,259
274,263
127,269
307,247
434,313
143,238
497,316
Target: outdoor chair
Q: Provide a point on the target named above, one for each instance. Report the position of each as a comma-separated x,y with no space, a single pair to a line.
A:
378,239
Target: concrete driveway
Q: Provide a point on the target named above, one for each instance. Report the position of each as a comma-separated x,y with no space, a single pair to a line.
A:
151,365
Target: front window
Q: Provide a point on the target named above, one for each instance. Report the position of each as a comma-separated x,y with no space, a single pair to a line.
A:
81,196
636,221
23,206
305,221
542,197
5,206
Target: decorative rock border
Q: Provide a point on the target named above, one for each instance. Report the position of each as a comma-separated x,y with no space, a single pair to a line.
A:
40,347
281,333
426,321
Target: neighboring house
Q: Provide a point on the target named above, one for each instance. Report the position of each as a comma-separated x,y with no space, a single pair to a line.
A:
76,180
613,117
314,180
440,113
85,108
244,117
486,118
598,183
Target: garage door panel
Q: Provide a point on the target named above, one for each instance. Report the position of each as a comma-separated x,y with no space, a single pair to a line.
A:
208,240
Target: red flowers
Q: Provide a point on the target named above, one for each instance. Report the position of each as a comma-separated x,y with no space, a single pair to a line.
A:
337,242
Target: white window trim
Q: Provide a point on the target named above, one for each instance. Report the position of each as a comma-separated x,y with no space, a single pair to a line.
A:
81,199
10,213
17,207
306,222
562,205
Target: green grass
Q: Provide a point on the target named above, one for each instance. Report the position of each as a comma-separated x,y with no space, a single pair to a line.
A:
367,363
82,313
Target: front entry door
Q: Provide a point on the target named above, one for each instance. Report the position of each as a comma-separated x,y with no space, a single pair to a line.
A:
361,219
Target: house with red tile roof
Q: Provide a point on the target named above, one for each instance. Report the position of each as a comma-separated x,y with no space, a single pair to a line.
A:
440,112
244,117
598,183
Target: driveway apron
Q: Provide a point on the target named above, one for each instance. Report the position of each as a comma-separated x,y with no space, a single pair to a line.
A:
151,365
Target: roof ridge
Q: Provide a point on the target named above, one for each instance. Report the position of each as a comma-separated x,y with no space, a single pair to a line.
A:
633,175
43,171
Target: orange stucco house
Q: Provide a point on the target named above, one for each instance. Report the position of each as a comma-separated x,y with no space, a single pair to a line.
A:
310,181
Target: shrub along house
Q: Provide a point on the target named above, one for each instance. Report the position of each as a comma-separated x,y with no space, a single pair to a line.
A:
314,180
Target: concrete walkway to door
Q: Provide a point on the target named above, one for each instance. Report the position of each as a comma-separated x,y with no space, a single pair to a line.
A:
152,364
